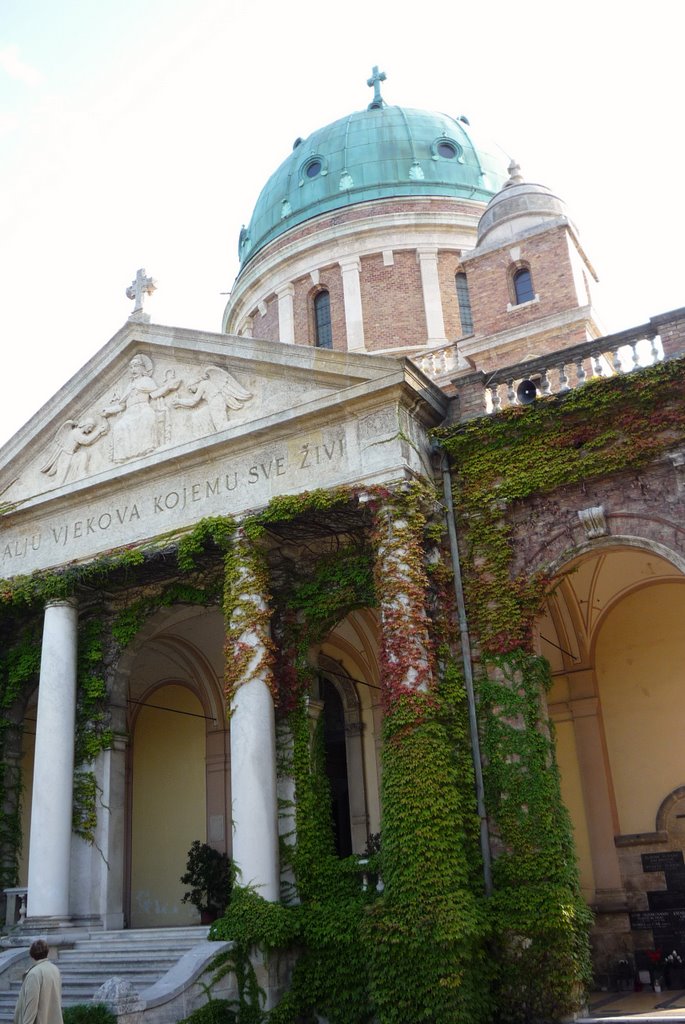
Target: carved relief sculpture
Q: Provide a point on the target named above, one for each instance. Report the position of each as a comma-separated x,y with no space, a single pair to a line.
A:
68,456
135,430
143,420
220,390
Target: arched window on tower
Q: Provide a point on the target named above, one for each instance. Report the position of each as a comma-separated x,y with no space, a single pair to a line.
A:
322,320
523,286
464,300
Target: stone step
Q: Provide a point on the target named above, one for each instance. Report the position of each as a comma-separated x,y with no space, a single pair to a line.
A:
141,957
68,956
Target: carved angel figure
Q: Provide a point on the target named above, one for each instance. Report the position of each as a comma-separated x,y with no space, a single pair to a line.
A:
135,429
68,456
220,390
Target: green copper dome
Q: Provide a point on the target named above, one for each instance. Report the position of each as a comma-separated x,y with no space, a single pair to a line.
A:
377,153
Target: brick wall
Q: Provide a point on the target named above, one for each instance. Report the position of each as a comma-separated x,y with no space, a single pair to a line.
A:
489,277
266,326
392,301
448,265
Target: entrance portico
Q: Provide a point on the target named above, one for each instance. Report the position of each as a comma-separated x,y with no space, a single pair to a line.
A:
139,643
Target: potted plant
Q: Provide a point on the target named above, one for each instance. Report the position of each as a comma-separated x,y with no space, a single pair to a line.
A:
210,877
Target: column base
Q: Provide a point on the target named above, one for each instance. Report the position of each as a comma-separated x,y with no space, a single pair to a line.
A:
41,926
610,901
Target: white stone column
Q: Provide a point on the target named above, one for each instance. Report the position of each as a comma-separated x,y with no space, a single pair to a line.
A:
53,774
432,301
253,767
352,294
286,314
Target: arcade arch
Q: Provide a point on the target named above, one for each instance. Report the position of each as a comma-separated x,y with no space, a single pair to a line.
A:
178,783
611,630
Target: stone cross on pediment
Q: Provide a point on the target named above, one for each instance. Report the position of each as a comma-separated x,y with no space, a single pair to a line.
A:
137,290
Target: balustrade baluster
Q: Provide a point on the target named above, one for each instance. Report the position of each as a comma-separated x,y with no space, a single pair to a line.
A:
511,394
494,392
545,384
563,379
618,365
580,370
636,356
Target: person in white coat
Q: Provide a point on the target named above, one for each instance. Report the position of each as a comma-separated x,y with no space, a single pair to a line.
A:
40,998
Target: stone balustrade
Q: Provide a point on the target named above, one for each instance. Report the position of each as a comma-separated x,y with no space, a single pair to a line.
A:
15,907
438,363
558,372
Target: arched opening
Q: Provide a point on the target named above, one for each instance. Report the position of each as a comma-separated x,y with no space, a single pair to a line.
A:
612,634
335,752
348,689
168,803
178,766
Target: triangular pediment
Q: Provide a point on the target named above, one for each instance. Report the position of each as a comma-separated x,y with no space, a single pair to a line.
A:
152,393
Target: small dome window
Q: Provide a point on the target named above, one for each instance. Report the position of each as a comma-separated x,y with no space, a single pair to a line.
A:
445,148
313,167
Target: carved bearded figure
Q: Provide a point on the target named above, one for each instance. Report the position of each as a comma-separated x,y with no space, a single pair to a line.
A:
134,418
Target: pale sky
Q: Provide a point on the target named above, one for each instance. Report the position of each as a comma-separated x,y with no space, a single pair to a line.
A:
139,134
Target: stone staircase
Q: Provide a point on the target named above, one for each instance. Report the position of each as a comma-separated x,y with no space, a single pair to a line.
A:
141,957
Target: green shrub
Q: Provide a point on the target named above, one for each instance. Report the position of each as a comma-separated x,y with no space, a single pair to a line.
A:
88,1013
216,1011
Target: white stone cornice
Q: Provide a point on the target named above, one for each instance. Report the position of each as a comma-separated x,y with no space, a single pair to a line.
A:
528,233
583,315
290,258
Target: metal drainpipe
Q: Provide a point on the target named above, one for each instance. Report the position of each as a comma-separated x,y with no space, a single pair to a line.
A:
468,670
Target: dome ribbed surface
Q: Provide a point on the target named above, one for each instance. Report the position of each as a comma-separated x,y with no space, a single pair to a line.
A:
374,154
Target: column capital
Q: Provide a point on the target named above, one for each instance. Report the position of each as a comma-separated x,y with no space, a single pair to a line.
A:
285,291
349,264
62,602
427,252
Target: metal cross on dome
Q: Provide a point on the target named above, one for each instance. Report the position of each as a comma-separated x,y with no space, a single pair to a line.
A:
377,103
137,290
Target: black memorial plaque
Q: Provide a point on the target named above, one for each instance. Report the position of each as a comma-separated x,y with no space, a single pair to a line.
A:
675,880
661,920
665,860
666,900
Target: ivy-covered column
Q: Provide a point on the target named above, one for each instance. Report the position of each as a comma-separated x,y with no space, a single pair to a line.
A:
252,728
538,917
51,808
426,960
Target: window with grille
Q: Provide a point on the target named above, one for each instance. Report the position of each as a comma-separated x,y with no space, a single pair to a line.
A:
523,286
322,320
464,300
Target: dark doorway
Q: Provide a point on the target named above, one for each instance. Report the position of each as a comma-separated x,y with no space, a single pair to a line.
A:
336,765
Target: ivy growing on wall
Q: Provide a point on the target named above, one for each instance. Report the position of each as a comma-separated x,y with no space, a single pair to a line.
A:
430,946
540,923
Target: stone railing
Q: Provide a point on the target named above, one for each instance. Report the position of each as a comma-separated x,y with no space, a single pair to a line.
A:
485,393
15,907
438,363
